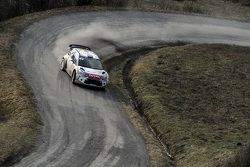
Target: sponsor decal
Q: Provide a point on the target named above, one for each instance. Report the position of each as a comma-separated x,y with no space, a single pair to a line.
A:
93,76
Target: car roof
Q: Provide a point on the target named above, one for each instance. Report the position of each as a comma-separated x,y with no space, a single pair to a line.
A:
84,52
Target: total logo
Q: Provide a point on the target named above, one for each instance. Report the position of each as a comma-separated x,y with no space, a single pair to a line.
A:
95,76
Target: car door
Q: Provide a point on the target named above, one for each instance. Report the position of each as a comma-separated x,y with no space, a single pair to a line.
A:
71,63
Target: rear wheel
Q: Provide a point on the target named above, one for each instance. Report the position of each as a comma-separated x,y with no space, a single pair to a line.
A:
73,77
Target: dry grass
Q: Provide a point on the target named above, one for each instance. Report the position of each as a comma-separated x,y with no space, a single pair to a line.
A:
215,8
197,98
226,9
19,122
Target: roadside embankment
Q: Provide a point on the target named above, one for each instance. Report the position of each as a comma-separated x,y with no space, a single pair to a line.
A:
157,155
196,98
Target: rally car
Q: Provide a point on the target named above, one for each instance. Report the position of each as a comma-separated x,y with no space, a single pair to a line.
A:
84,67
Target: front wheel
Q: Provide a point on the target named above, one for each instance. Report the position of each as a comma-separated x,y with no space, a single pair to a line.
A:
103,88
73,78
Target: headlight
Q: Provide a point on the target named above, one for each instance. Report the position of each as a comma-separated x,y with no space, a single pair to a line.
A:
106,78
82,70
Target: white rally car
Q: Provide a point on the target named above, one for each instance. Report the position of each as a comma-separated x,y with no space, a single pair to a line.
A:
84,67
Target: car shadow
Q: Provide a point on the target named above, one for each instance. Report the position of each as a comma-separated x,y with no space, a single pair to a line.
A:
89,87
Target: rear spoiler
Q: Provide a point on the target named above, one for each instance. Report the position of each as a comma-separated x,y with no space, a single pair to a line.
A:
71,46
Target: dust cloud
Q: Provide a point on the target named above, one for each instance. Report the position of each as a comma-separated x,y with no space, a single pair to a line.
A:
110,34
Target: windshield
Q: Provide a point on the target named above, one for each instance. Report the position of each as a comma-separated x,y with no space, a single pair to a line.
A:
90,63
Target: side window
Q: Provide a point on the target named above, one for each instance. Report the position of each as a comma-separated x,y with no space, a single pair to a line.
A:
83,62
73,58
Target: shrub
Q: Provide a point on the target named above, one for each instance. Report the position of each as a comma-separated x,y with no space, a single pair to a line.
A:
192,7
245,2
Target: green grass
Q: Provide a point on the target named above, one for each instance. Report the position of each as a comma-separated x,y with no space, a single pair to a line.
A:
197,98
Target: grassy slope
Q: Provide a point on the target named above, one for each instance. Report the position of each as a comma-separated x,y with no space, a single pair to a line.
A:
215,8
157,155
225,9
197,98
18,121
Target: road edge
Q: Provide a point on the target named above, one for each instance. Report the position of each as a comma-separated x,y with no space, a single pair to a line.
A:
118,67
9,36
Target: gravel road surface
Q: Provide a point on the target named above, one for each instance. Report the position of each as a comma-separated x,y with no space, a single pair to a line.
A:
87,127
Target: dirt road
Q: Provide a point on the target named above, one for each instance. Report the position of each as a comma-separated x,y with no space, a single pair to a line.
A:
87,127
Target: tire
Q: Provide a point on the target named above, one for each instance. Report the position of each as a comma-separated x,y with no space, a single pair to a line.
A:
63,65
73,77
103,88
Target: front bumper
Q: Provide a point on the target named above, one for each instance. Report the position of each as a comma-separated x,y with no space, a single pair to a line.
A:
91,82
